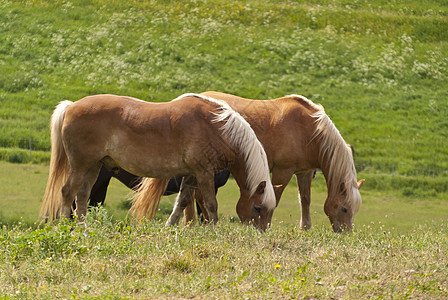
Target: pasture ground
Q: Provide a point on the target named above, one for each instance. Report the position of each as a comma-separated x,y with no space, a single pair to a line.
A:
398,250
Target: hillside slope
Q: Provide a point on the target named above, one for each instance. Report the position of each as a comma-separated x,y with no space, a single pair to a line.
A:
378,67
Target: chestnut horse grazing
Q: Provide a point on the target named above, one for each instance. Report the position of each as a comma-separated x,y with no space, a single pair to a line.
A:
299,137
195,137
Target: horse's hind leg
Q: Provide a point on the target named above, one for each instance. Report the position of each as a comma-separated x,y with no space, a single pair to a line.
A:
83,194
79,184
69,191
184,197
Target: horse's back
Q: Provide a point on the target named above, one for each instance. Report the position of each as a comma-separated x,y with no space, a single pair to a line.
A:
92,111
279,105
114,113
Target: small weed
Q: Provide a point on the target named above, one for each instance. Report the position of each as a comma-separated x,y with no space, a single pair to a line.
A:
179,264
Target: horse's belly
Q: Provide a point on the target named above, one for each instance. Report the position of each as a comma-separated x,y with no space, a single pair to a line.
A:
153,166
148,157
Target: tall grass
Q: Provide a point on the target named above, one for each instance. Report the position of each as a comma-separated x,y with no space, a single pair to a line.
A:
147,260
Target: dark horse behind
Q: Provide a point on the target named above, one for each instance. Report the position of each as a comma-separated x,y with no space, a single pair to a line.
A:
99,189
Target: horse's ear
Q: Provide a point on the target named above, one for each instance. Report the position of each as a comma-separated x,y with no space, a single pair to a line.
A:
260,187
360,183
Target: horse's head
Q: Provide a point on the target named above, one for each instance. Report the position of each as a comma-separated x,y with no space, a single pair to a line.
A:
254,210
341,206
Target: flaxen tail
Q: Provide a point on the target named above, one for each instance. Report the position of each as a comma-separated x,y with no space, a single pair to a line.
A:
52,201
147,197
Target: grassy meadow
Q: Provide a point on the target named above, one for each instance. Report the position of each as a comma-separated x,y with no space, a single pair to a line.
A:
398,249
380,69
120,260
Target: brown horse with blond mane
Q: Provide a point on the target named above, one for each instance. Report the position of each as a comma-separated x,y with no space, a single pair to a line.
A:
299,137
194,136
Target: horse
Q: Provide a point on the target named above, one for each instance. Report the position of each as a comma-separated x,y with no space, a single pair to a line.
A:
193,136
299,137
99,188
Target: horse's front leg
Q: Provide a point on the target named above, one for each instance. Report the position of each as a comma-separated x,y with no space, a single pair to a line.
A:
280,179
190,212
207,197
190,216
184,197
304,185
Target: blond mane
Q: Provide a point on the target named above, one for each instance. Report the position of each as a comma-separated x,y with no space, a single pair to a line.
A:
339,159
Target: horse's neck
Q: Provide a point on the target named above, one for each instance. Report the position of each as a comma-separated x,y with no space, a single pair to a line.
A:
325,166
337,167
238,170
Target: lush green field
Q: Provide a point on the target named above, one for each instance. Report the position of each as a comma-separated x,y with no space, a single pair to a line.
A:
119,260
378,67
398,250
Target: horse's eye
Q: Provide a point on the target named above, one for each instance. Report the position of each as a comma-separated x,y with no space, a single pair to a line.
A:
344,210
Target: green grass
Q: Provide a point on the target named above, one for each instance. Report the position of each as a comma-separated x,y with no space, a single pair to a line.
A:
119,260
397,250
379,68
